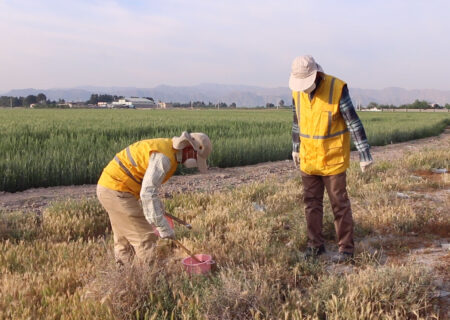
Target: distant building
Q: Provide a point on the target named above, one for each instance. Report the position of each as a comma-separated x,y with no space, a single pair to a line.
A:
77,104
134,103
102,104
435,105
65,104
164,105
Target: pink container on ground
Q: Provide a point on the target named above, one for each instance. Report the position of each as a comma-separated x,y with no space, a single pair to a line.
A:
193,267
169,220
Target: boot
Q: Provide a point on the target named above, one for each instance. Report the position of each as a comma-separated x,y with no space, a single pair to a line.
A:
312,253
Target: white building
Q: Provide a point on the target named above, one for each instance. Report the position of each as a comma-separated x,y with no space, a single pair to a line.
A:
164,105
134,103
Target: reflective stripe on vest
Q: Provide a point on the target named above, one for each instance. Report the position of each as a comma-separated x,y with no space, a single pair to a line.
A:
130,157
331,135
127,172
330,97
324,137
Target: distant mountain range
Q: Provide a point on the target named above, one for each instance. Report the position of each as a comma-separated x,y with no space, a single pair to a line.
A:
242,95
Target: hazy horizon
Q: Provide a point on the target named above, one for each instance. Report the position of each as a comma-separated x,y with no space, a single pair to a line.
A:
52,44
201,84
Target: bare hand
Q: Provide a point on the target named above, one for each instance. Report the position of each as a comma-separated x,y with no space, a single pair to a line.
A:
296,158
365,165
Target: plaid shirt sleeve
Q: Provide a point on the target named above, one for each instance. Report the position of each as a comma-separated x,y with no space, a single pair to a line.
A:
355,126
295,130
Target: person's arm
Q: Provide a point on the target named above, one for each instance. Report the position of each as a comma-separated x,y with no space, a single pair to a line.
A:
295,130
295,136
355,126
158,166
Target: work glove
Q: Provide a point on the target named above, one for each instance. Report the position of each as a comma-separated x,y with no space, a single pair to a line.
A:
165,231
365,165
295,157
169,234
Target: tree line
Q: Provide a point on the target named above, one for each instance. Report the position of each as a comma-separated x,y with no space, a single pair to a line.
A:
41,101
417,104
202,104
10,101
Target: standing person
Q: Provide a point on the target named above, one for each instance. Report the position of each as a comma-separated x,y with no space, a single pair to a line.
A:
324,118
138,172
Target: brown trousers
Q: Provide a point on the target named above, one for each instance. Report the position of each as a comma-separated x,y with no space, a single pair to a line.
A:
336,186
132,232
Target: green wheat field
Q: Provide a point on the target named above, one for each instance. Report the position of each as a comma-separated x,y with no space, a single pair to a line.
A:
41,148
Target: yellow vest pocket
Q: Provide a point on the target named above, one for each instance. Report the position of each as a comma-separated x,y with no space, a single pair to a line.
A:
334,156
334,152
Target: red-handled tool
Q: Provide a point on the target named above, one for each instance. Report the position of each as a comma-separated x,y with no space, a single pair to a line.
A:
182,222
187,251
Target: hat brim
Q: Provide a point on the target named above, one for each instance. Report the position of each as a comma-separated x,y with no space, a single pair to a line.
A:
184,141
201,144
301,84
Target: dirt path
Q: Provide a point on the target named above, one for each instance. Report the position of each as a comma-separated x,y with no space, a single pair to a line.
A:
217,178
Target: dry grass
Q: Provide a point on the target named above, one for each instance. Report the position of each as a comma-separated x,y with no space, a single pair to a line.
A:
60,265
372,293
72,220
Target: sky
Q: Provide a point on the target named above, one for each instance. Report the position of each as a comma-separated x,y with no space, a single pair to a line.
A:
369,44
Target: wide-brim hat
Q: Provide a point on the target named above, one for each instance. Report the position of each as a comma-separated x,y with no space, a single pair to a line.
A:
303,73
201,144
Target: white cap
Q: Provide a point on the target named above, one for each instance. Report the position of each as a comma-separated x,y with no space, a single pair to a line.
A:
303,73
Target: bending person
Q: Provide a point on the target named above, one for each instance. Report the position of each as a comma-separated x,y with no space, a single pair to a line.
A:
137,172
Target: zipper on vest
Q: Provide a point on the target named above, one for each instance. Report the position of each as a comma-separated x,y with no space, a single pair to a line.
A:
329,123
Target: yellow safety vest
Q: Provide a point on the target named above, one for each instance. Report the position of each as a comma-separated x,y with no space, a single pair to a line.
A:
126,171
324,136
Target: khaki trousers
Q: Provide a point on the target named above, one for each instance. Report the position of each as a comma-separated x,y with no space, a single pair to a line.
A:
336,186
132,232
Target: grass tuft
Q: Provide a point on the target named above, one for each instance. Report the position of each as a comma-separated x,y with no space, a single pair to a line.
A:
75,219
